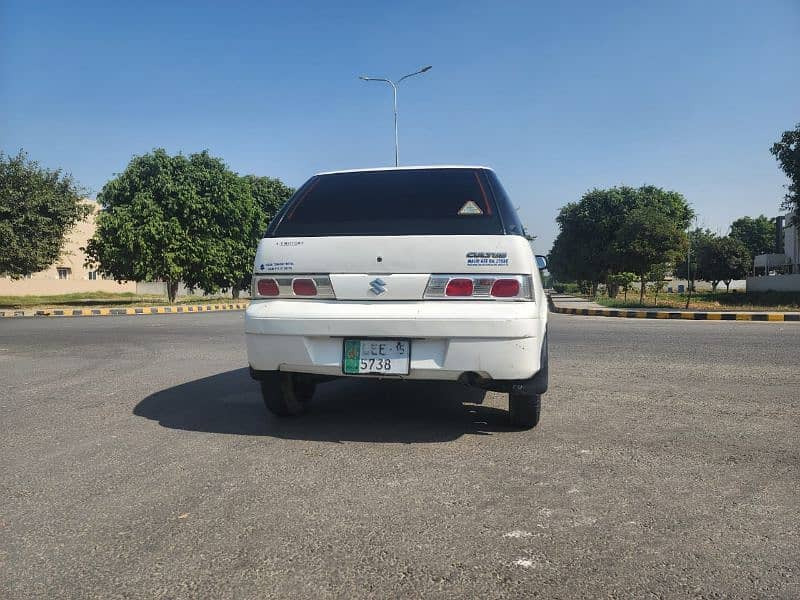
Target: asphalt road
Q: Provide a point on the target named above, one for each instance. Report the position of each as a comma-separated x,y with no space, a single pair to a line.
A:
137,462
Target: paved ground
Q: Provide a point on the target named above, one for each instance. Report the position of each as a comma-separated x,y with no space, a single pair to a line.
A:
137,462
567,301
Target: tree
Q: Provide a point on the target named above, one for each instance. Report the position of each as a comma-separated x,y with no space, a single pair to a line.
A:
584,248
787,152
697,239
657,277
757,234
177,218
647,238
38,208
621,281
723,259
269,194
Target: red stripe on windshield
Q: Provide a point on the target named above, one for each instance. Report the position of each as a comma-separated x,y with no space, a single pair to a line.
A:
483,193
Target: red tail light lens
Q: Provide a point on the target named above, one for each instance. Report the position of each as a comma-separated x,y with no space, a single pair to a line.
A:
505,288
304,287
459,287
480,287
267,287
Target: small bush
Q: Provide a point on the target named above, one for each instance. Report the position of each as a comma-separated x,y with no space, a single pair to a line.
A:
567,288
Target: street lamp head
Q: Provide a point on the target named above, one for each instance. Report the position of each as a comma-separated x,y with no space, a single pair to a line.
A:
428,68
363,77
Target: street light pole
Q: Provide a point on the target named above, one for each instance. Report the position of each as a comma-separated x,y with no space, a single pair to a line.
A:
394,94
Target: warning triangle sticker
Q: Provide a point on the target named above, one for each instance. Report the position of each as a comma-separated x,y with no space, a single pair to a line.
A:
470,208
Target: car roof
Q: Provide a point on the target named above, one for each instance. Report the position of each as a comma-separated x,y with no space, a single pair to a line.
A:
409,168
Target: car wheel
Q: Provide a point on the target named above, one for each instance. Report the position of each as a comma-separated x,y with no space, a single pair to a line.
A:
281,396
304,388
524,409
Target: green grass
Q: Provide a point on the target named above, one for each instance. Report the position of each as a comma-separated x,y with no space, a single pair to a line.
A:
721,301
95,299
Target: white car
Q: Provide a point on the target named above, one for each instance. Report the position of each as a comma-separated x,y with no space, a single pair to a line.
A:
407,273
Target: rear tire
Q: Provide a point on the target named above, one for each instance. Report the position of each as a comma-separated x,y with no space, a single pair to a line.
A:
524,409
282,396
304,387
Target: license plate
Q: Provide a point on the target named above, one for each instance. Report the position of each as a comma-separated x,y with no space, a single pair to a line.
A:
384,357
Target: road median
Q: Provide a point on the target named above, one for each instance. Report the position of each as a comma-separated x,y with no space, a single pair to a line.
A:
586,308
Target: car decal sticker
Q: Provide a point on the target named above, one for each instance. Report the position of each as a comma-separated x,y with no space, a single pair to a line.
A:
470,208
276,267
487,259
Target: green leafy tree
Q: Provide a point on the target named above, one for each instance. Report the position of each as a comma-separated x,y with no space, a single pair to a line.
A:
647,238
38,208
657,278
787,153
698,238
177,218
621,281
269,194
585,247
757,234
723,259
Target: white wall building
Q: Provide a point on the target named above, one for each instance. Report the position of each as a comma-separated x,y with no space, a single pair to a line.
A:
779,272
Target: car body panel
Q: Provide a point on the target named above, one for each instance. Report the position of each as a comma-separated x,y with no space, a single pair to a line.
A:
396,254
379,283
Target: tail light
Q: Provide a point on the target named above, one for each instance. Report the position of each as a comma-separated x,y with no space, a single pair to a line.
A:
505,288
266,286
480,287
304,287
289,286
459,287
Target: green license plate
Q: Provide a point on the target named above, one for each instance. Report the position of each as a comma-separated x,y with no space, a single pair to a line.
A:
377,357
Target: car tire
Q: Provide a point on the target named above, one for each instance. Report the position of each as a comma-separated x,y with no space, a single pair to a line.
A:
524,409
304,388
280,394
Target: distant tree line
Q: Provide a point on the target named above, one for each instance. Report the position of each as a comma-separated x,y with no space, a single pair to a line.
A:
183,219
722,259
189,218
620,230
620,235
604,240
165,218
787,152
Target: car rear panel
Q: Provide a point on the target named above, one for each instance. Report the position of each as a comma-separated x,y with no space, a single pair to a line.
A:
381,239
403,263
493,340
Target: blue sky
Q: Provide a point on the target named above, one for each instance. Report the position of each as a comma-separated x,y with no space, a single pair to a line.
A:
557,97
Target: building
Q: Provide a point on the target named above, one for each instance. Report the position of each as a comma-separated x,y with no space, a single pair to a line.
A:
68,274
779,271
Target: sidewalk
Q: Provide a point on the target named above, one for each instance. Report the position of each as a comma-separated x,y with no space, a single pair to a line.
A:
574,305
567,301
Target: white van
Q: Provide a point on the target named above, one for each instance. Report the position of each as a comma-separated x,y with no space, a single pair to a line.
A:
414,273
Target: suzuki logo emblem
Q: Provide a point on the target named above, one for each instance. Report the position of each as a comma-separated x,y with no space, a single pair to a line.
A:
377,286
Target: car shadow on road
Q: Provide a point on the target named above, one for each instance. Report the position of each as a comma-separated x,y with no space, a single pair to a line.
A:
342,410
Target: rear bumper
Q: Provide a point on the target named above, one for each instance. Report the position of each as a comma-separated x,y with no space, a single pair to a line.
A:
492,340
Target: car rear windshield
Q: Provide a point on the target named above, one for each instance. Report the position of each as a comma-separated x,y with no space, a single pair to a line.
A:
402,202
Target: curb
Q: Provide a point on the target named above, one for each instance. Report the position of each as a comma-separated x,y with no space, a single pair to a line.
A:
671,314
114,312
686,316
